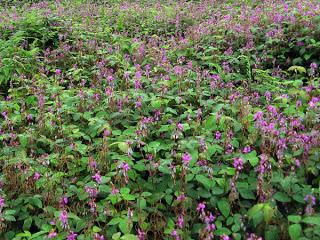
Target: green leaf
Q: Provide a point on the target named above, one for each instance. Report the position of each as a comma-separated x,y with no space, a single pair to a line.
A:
294,218
124,225
247,194
156,104
80,225
96,229
9,218
296,69
295,231
10,212
27,223
129,237
210,123
255,210
224,207
23,140
281,197
268,213
204,180
222,231
116,236
123,146
114,221
312,220
35,202
252,158
24,234
141,203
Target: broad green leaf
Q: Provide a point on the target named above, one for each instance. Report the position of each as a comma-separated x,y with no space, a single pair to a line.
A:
312,220
224,207
294,218
281,197
123,146
295,231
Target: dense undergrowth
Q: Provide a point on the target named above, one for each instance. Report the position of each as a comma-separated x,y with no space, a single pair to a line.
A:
160,120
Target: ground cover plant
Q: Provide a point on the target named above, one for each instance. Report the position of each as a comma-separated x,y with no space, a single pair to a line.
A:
160,120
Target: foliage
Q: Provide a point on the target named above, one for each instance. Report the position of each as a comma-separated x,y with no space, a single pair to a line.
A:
159,120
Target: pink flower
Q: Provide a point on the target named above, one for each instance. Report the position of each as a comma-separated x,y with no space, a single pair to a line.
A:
181,197
180,221
2,202
114,191
238,163
64,219
186,158
72,236
201,207
218,135
141,234
36,176
175,234
98,237
52,234
97,177
258,115
180,126
58,71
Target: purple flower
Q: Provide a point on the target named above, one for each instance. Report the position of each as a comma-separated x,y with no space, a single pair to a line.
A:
114,191
124,166
97,236
247,149
310,200
2,202
201,207
218,135
186,158
4,114
72,236
180,221
238,163
64,201
58,71
180,126
141,234
181,197
91,191
52,234
36,176
258,115
225,237
106,133
110,79
175,234
64,219
92,163
97,177
29,117
313,66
